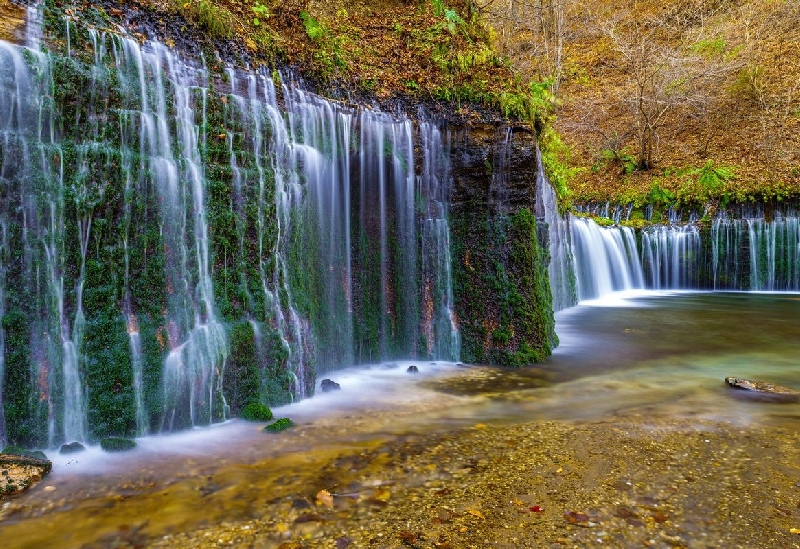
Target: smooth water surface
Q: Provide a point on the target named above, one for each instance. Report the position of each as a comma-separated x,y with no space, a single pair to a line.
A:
645,355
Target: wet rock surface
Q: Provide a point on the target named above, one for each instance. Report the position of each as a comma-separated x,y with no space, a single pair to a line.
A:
328,385
12,22
20,473
762,390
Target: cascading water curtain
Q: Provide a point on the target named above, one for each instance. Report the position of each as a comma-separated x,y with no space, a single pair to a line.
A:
175,244
671,256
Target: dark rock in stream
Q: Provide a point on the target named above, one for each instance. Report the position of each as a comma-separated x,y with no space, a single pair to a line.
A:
18,473
329,385
116,444
763,390
412,369
72,448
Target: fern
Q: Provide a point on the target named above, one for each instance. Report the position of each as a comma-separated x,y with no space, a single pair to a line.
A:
713,178
315,31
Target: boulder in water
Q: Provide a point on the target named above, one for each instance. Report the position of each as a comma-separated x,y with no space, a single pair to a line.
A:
115,444
329,385
763,390
255,411
279,425
72,448
412,369
18,473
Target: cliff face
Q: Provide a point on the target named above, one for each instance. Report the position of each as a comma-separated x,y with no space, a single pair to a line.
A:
180,238
503,298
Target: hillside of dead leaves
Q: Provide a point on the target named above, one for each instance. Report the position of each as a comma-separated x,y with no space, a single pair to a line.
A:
715,85
657,101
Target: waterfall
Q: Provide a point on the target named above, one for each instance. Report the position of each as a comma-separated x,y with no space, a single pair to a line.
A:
33,219
747,253
561,268
606,259
3,252
440,327
161,221
670,256
752,253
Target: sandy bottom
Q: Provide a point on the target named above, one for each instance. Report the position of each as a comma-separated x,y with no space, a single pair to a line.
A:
622,483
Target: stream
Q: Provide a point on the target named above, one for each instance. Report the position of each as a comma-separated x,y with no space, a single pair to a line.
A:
644,355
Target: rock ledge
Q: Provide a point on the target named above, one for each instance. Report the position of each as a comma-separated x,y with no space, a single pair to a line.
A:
763,390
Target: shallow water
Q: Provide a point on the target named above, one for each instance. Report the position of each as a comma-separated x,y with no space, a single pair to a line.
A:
669,353
643,355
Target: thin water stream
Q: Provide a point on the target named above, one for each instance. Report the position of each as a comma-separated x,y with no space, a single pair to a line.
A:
645,357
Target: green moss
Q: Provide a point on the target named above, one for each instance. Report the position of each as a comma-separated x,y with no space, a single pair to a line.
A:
25,412
18,451
242,381
279,425
115,444
255,411
502,289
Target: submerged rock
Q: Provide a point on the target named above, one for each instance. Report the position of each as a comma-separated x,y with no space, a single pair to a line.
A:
72,448
18,473
412,369
115,444
328,385
763,390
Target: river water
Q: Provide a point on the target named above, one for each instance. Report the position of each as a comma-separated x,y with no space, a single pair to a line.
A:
643,355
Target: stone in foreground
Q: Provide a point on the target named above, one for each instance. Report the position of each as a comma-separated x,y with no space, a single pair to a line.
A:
763,390
19,473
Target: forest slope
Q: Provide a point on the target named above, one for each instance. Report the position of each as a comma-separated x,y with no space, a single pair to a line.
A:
657,101
663,100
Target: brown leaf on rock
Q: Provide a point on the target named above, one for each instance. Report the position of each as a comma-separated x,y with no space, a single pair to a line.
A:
325,498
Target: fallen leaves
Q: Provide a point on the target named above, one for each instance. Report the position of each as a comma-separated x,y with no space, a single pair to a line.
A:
325,498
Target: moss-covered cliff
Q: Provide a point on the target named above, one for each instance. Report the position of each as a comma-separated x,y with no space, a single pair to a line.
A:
193,235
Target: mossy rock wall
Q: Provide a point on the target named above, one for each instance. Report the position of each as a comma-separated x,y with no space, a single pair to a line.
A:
501,287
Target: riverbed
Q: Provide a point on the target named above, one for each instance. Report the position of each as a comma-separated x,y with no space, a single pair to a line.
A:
626,437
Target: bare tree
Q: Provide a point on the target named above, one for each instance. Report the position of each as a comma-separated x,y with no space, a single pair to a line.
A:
663,79
531,34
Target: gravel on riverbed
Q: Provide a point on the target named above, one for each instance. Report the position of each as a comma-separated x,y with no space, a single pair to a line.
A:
623,482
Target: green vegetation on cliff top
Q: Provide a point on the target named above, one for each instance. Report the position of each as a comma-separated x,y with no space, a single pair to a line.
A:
639,98
635,99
